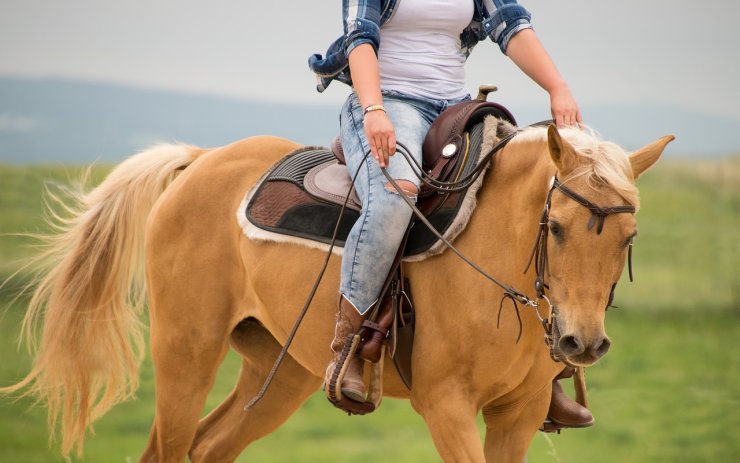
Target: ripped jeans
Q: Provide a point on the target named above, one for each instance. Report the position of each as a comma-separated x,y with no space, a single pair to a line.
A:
375,237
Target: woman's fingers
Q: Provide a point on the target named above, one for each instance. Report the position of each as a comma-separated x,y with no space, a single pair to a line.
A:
388,147
374,151
381,136
382,156
564,107
568,118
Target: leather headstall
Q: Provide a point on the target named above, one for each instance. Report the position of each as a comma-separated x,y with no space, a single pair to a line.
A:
539,251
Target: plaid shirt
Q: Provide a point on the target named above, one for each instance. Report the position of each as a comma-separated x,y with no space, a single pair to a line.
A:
497,19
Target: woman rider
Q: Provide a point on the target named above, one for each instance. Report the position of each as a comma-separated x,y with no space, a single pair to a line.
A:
404,60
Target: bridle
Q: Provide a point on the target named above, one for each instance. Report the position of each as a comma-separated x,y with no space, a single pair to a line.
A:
539,253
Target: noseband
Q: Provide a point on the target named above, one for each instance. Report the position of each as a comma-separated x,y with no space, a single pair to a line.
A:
539,251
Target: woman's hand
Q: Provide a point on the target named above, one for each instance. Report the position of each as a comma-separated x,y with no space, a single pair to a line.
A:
380,135
564,108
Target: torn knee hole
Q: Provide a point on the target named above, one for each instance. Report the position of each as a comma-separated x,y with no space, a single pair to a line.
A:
408,188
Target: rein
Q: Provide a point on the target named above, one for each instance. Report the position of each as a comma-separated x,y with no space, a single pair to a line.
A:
539,253
459,185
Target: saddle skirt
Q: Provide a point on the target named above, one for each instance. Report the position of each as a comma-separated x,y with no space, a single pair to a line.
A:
299,200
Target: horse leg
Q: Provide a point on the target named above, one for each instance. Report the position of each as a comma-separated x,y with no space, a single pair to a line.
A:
510,430
451,420
226,431
190,326
185,369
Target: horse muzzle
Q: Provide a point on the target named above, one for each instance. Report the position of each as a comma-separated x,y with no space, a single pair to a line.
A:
580,351
577,348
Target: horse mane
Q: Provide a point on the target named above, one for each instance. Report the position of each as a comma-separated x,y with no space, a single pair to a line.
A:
604,163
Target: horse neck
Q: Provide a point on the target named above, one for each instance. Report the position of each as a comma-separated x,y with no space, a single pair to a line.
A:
500,234
503,229
499,238
515,192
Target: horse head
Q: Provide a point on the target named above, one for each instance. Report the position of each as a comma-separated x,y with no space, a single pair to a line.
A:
587,231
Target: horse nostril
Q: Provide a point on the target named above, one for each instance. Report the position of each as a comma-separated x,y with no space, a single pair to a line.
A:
602,348
571,345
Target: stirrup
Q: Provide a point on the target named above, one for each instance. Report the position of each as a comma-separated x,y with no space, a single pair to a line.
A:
332,389
579,383
550,426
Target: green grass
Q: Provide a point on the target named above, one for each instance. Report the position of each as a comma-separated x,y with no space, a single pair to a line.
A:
667,391
22,205
688,251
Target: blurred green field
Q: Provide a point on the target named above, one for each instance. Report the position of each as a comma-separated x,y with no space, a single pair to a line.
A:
667,391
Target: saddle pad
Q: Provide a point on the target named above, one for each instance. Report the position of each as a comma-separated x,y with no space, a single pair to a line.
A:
302,196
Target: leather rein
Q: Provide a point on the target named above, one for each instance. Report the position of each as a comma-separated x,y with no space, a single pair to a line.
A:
539,251
444,187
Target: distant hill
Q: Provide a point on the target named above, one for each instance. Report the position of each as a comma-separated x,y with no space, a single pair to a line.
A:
59,121
62,121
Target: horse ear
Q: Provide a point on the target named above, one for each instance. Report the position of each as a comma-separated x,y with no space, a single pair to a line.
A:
563,154
642,159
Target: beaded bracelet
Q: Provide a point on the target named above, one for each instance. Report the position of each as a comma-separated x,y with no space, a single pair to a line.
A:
374,107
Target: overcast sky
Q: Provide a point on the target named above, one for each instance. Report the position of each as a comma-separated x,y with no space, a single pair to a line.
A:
675,53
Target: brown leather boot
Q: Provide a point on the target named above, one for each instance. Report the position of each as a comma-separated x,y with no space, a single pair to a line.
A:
566,412
349,322
375,333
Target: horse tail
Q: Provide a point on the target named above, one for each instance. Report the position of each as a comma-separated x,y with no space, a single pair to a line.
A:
83,324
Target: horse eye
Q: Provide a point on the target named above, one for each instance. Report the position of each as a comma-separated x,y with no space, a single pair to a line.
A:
555,229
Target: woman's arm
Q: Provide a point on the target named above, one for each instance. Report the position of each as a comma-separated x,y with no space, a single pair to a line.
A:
363,65
527,52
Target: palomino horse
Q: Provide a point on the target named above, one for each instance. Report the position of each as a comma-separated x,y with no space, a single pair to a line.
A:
170,211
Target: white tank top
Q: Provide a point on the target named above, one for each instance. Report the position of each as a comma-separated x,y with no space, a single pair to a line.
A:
420,48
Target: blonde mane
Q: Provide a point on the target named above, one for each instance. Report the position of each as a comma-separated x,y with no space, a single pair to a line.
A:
603,162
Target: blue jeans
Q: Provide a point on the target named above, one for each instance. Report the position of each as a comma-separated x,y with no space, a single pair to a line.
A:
375,237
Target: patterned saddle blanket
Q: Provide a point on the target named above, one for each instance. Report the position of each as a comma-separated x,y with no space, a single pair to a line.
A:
302,196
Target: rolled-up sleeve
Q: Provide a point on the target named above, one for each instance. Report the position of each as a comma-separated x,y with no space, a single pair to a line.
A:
507,18
361,24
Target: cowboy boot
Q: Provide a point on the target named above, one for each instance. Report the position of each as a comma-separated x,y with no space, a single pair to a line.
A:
349,322
564,411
